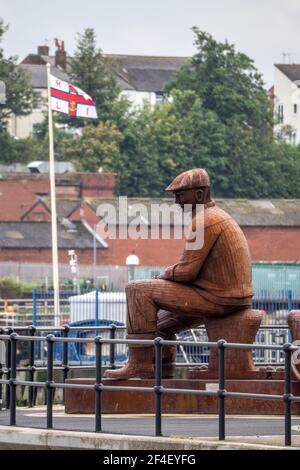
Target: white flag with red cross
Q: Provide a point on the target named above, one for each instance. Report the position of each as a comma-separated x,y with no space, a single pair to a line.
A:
69,99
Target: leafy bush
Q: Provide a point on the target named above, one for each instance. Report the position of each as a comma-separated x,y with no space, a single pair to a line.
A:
11,287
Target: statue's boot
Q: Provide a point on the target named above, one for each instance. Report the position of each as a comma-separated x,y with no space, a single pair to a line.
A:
138,365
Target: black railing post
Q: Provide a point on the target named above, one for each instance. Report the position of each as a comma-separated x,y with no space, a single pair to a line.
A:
13,378
98,385
66,367
158,387
112,350
221,404
49,382
31,368
7,367
287,395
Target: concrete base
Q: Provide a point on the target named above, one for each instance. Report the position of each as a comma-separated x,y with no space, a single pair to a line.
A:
14,438
83,401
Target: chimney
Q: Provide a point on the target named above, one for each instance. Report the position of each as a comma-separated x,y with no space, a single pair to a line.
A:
43,50
60,54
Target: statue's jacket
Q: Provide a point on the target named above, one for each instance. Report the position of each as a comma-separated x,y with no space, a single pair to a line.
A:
221,269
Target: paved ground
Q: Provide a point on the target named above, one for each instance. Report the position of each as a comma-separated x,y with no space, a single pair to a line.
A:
178,425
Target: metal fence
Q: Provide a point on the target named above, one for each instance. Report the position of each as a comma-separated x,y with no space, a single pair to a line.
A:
11,381
101,308
83,353
111,305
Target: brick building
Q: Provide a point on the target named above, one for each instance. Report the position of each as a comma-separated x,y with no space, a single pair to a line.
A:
271,227
19,192
31,242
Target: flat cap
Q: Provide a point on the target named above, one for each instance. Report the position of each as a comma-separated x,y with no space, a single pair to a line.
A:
196,178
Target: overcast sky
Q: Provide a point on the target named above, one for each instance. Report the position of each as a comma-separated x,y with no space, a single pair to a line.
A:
263,29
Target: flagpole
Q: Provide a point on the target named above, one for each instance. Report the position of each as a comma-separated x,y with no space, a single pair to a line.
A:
53,207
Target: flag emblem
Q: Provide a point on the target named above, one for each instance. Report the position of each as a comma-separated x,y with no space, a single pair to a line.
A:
69,99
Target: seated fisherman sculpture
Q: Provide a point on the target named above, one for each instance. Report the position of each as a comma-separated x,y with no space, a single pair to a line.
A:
212,281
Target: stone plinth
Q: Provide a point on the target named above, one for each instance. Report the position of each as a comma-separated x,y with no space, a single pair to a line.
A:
83,401
240,327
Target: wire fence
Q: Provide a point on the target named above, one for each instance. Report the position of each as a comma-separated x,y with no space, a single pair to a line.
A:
89,308
97,305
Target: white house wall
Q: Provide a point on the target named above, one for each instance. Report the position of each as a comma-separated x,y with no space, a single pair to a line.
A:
138,98
287,94
21,127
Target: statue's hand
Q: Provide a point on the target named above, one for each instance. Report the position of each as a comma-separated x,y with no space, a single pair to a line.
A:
165,275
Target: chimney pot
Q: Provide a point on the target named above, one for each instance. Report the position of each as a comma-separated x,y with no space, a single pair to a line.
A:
43,50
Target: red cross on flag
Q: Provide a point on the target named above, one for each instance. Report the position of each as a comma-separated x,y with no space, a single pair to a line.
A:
69,99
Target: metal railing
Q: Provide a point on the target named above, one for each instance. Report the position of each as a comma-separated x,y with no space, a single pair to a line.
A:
158,389
84,354
100,305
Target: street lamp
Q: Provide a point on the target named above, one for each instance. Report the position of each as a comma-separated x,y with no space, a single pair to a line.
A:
131,262
74,270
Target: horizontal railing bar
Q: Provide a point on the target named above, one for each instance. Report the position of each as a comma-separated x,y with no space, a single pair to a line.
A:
79,386
257,346
72,340
113,388
188,391
101,328
4,337
109,327
149,342
93,365
226,345
29,383
62,328
26,338
179,391
253,395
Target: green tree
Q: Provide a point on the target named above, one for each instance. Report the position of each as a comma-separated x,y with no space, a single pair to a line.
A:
19,99
91,71
20,96
227,82
230,86
165,140
96,148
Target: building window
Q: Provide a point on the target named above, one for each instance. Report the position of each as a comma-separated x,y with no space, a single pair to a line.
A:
295,108
159,98
280,113
293,138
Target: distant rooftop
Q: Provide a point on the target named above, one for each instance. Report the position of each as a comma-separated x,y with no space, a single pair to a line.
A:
292,71
133,72
38,74
247,212
44,167
38,235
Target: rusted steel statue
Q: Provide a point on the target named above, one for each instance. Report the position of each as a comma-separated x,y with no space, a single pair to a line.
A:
212,281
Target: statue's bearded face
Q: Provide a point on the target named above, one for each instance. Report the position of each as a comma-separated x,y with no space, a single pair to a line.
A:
189,197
